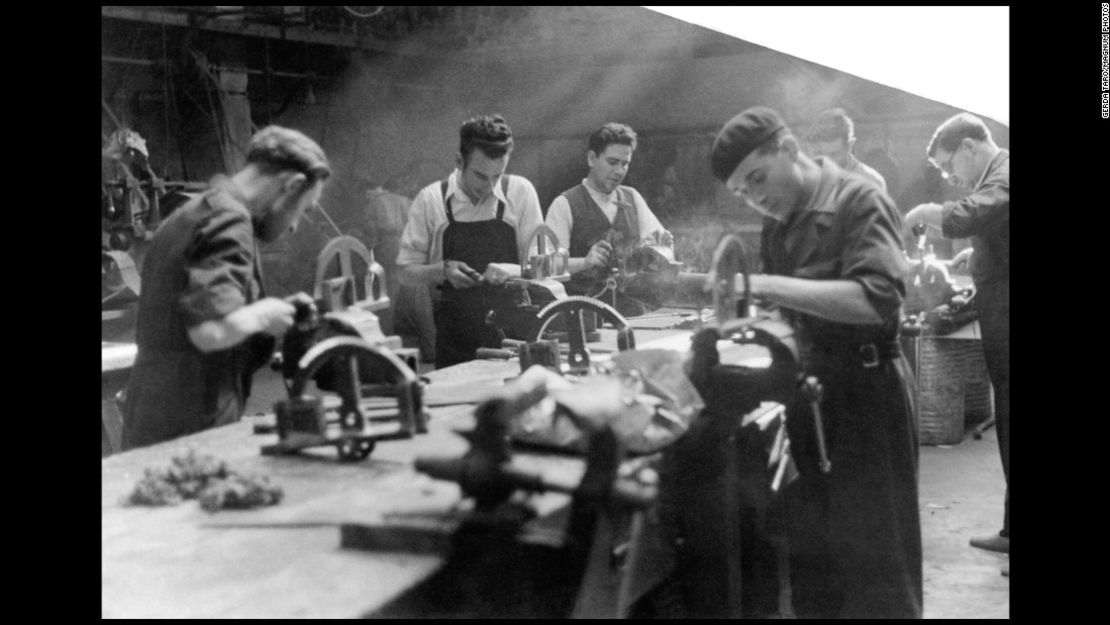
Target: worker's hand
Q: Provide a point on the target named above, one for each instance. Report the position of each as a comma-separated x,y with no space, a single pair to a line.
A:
599,254
304,306
273,316
929,214
460,274
960,263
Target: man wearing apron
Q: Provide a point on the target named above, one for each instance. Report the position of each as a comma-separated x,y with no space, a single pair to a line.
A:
458,227
204,325
601,221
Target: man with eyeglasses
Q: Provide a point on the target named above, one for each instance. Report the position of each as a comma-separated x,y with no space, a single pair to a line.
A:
204,325
963,149
833,262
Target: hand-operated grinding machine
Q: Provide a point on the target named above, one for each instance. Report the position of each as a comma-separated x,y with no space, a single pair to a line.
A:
684,457
337,343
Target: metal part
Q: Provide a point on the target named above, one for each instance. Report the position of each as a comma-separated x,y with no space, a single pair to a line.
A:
729,260
813,391
578,577
302,421
572,309
339,292
545,265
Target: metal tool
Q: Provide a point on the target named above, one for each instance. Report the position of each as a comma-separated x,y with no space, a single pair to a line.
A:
813,391
302,419
545,265
573,310
577,564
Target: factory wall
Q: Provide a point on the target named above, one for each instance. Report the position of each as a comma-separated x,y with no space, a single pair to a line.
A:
394,120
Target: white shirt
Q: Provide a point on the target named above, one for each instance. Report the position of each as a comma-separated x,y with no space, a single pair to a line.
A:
561,220
422,240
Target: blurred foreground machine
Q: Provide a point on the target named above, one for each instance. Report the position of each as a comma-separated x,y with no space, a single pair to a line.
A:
337,343
684,456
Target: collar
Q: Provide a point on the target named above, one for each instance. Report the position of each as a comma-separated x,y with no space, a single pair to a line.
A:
994,164
823,198
223,183
597,193
454,190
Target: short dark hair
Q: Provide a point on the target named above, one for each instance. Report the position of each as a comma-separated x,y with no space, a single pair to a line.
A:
275,149
490,134
612,133
954,130
831,125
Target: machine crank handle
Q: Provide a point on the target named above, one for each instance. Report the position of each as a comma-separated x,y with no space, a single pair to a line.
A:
813,391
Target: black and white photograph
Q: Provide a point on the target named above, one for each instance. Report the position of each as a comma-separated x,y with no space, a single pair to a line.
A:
556,311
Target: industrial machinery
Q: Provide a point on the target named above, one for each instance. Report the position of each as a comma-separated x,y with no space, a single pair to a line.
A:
302,420
503,561
934,304
337,343
135,202
719,483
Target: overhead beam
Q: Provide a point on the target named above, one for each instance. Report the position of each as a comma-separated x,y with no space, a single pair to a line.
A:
254,29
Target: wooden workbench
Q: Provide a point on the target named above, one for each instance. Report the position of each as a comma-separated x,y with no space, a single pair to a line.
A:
285,561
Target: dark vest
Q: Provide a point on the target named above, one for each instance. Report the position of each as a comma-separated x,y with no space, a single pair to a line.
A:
591,225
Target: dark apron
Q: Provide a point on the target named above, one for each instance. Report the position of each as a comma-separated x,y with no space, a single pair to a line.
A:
460,314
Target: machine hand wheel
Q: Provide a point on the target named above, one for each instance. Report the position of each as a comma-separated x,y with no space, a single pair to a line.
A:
573,307
374,285
729,260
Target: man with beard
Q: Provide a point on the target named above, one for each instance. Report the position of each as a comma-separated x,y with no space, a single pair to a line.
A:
204,325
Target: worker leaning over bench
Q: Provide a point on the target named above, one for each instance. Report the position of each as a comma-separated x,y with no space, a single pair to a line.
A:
963,149
459,226
831,250
589,217
204,325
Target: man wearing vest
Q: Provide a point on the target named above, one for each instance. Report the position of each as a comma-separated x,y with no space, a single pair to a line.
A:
458,227
603,220
204,325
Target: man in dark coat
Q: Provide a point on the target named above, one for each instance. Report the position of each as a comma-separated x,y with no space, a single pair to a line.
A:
964,151
833,261
204,325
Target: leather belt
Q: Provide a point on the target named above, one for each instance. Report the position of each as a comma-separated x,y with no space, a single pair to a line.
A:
867,354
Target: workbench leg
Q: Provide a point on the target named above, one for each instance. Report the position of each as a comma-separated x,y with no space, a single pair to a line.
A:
111,427
786,599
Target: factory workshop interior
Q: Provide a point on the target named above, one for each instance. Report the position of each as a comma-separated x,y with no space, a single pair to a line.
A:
541,312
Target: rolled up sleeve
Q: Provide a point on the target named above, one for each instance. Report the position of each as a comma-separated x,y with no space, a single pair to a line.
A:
873,255
419,233
524,197
560,220
219,267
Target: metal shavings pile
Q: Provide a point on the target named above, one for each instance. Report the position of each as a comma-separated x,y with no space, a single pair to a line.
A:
206,479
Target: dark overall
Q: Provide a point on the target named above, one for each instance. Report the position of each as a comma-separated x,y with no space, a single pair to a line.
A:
984,217
460,314
175,389
855,534
590,225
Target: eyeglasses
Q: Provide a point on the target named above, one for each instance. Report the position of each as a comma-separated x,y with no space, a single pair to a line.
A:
946,168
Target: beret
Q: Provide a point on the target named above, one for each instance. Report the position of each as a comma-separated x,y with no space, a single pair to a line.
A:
740,137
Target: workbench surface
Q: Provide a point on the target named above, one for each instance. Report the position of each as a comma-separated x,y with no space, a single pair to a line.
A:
286,560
